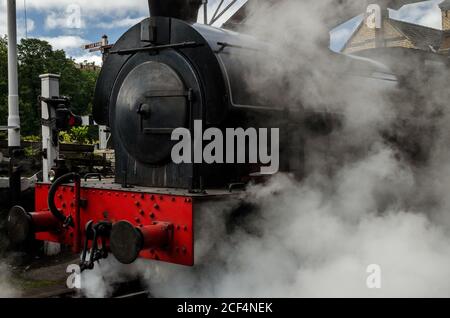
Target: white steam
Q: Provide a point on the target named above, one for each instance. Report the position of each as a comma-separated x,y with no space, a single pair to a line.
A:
6,287
101,282
308,240
366,200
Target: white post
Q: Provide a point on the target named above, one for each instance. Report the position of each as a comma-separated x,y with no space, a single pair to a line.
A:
103,137
105,40
50,88
13,83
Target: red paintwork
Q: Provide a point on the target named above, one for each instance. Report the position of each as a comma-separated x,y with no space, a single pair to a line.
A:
157,234
140,209
44,221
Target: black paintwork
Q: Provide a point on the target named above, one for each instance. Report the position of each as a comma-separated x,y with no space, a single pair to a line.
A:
186,10
213,83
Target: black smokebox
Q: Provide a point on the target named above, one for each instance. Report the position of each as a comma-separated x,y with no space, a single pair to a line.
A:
186,10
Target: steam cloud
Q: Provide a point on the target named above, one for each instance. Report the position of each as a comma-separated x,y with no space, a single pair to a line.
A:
6,288
367,199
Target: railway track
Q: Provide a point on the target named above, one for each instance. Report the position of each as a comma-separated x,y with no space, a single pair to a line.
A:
137,295
66,294
122,291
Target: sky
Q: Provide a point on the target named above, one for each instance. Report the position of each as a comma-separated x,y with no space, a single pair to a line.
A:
425,13
69,24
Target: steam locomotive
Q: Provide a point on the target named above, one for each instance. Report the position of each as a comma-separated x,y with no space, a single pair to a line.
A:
166,72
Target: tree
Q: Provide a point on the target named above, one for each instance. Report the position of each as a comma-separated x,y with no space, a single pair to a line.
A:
37,57
34,59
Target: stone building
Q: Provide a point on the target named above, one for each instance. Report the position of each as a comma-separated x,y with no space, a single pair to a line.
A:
88,66
399,34
445,8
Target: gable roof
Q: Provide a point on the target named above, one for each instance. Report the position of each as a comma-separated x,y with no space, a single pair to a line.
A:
445,5
422,37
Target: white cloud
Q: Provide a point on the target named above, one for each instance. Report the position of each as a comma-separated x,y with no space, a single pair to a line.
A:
31,25
21,32
3,28
95,58
89,7
65,42
426,13
119,13
71,18
120,23
62,14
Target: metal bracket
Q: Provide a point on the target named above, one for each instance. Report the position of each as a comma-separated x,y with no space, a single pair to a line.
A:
218,15
100,231
55,101
156,48
2,128
49,123
224,45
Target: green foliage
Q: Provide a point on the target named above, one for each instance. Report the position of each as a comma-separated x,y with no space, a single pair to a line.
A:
37,57
32,138
31,152
77,135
